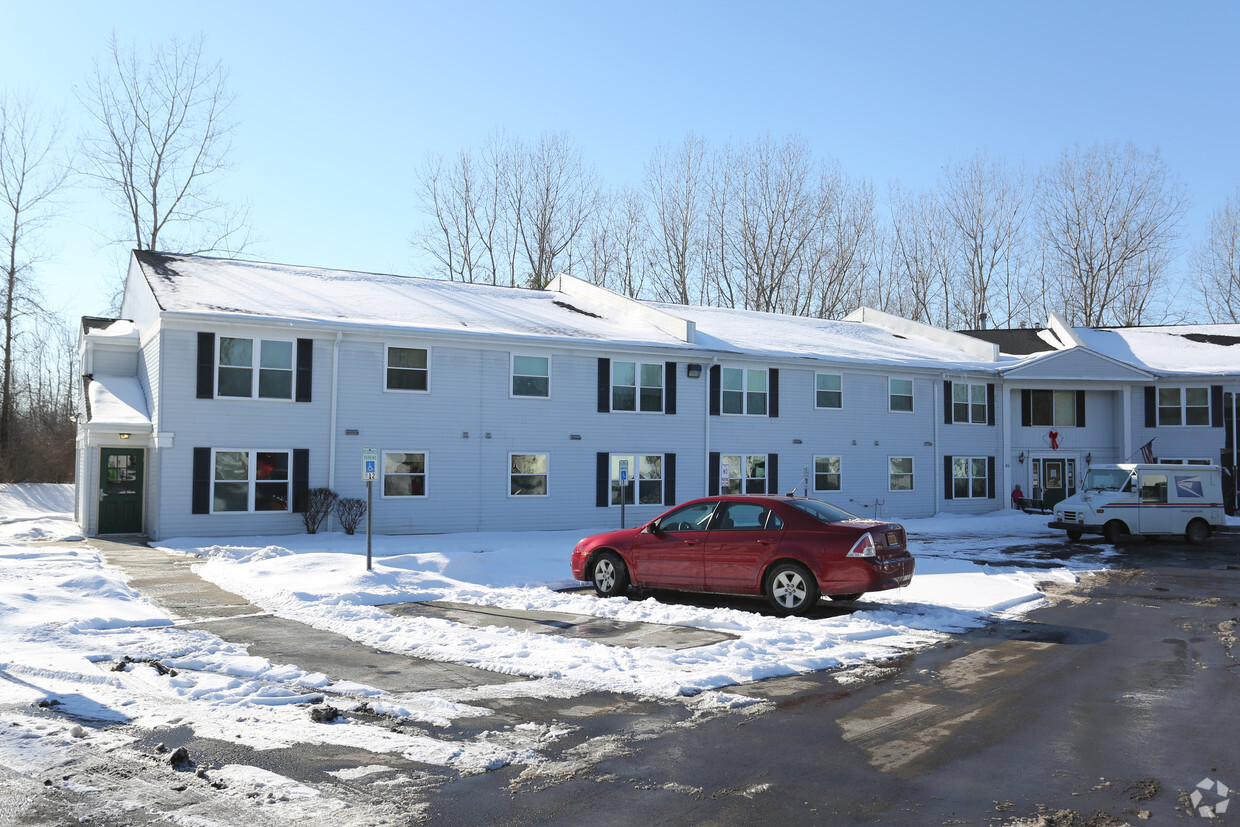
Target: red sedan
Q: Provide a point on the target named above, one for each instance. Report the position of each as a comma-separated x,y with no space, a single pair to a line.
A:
790,550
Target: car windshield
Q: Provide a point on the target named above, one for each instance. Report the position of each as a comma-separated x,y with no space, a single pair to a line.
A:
823,511
1106,479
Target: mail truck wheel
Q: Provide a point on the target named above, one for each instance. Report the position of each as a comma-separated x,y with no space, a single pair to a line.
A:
1197,532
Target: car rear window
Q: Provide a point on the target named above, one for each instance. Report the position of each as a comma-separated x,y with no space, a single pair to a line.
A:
822,511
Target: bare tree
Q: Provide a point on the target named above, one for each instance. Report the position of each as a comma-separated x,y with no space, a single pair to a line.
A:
923,254
552,195
1216,264
987,205
617,241
30,178
676,188
1108,216
844,251
162,137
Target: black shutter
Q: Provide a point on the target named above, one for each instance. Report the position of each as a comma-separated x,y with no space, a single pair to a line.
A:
301,478
669,391
206,366
669,479
1151,407
990,403
712,486
305,369
200,492
990,477
1216,406
947,401
602,477
1080,409
773,388
716,387
772,473
948,483
1026,407
604,386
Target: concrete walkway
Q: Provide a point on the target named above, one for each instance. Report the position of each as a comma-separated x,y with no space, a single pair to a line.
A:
168,581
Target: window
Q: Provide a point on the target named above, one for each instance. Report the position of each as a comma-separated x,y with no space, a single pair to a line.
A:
237,375
694,517
531,376
828,392
744,391
636,386
527,475
1053,408
249,481
643,473
900,473
742,474
900,395
826,473
969,477
407,369
1153,488
969,403
1184,461
748,517
404,474
1183,406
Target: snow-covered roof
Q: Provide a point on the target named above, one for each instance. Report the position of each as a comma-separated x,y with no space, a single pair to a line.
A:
202,285
1212,350
118,401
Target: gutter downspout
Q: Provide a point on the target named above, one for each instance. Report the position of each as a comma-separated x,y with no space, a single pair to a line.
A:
331,438
938,458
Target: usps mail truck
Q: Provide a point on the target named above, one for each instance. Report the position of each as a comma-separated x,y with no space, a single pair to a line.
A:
1138,498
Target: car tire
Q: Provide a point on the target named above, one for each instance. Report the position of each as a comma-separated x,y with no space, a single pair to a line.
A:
846,597
610,576
1074,535
1113,531
790,589
1197,532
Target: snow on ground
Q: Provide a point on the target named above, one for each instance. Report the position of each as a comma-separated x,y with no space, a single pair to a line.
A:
69,620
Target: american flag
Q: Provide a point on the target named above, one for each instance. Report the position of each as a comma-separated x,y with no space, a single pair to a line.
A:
1147,451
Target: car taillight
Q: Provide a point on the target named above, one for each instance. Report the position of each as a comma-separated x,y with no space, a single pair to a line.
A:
864,547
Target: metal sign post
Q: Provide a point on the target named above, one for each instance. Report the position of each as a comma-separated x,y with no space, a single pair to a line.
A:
624,487
370,472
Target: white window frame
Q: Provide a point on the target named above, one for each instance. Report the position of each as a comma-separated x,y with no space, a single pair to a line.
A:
426,474
1183,407
1056,397
387,365
839,389
638,386
635,478
251,480
745,478
1185,461
970,405
891,394
971,467
838,473
513,376
911,474
256,370
546,455
745,392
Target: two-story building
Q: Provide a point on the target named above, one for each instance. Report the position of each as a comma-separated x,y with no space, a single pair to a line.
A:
228,388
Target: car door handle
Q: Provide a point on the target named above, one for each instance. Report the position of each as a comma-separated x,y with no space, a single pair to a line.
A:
690,542
765,542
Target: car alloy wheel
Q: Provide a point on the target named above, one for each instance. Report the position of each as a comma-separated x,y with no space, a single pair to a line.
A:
610,576
790,589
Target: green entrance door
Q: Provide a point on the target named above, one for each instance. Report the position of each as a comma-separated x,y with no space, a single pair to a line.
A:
120,491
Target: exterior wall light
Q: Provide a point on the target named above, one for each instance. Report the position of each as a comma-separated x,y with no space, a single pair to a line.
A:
694,370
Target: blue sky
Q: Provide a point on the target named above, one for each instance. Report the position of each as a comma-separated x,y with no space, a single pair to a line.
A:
339,103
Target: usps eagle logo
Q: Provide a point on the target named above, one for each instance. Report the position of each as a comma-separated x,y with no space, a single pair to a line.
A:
1189,488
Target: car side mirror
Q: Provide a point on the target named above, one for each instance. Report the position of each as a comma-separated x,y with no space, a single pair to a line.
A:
652,527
